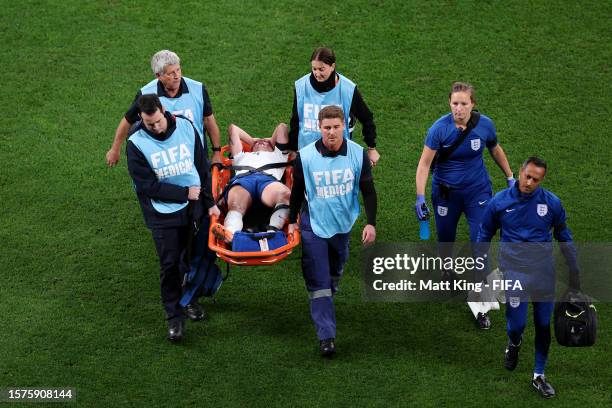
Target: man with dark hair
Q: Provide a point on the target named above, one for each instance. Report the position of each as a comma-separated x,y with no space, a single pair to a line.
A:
330,171
169,167
525,214
180,95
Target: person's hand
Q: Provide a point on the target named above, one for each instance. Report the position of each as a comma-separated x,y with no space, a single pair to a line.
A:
511,181
214,211
368,236
216,157
112,157
374,156
194,193
292,227
422,211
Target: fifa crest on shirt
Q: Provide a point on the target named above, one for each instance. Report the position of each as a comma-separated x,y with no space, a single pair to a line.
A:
475,144
542,210
442,211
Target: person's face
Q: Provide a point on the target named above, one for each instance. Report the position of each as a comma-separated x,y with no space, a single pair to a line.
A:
262,145
332,132
155,123
171,77
530,178
461,106
321,70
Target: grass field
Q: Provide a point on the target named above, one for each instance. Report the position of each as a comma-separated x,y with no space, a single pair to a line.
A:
79,293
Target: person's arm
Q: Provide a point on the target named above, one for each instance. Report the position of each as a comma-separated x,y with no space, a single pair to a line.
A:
297,193
235,136
280,136
365,116
566,244
489,223
210,124
201,164
121,133
370,201
211,127
488,228
422,173
499,156
294,125
146,182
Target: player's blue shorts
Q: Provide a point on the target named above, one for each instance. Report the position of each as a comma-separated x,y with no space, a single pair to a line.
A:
254,183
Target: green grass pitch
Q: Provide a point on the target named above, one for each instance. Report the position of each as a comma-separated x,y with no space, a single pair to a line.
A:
79,294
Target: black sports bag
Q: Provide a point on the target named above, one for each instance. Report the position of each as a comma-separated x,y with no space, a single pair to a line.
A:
575,320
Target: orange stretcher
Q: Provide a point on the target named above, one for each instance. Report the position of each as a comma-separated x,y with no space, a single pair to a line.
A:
221,175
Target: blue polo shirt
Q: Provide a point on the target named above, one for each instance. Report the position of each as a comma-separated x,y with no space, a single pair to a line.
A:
465,167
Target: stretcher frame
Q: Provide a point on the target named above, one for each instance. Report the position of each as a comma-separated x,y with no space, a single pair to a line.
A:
221,175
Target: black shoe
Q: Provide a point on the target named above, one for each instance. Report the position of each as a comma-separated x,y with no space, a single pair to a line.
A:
543,387
327,347
176,330
511,356
483,321
194,311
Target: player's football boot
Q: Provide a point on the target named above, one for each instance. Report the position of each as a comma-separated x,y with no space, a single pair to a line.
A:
511,356
543,387
327,347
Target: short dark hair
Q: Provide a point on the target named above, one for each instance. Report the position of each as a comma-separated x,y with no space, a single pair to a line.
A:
463,87
149,104
323,54
331,112
536,161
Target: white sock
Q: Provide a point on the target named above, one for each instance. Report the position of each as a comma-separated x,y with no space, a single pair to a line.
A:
233,221
536,375
279,218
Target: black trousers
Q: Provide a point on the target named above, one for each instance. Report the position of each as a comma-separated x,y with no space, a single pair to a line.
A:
171,245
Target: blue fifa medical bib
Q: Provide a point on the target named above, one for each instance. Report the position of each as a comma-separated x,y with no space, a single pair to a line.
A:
332,189
310,102
189,104
172,160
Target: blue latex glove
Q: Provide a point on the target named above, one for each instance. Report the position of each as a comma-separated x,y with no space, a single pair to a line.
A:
511,182
422,211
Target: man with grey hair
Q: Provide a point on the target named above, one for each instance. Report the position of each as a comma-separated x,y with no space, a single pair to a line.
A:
178,94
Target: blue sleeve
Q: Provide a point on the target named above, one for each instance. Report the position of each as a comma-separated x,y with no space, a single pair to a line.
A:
566,243
487,230
491,141
489,224
432,140
560,230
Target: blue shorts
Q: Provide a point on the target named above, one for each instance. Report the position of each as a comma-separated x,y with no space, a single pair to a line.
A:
254,183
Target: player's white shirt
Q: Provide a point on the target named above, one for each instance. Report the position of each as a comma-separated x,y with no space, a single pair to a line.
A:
259,159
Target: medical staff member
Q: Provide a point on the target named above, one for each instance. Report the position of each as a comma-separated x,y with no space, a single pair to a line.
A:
323,87
167,162
330,171
180,95
460,183
526,214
